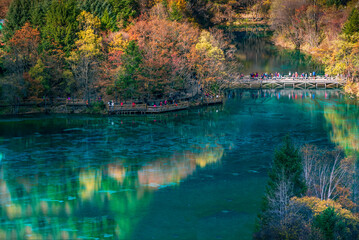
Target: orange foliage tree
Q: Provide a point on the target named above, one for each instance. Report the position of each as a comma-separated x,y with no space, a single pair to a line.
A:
24,45
114,45
21,55
167,47
178,59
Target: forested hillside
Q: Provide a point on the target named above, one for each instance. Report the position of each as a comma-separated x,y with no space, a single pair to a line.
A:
123,49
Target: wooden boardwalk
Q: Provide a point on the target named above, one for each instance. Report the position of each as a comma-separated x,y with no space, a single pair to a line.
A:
319,82
128,109
124,109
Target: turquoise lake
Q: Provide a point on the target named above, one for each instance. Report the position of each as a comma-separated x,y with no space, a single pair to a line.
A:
196,174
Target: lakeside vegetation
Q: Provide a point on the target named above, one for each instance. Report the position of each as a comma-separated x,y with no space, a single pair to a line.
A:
311,194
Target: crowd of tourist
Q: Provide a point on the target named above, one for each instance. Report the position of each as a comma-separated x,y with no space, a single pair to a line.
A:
278,75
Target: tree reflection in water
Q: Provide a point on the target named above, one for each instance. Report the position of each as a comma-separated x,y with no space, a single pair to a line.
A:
94,202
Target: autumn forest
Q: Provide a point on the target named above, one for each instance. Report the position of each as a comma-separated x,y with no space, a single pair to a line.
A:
259,163
110,49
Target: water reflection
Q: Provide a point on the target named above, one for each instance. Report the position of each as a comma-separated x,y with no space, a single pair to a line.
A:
122,177
286,94
258,54
344,126
92,202
341,114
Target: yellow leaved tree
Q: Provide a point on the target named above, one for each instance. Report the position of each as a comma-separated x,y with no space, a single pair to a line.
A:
318,206
210,63
344,60
84,59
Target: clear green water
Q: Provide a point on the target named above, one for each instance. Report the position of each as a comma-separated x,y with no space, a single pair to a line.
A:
197,174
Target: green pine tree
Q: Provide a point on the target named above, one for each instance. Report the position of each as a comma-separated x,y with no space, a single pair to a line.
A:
124,9
61,25
127,83
287,159
17,16
38,12
352,25
330,224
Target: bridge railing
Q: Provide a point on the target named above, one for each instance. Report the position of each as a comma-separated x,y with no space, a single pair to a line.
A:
292,79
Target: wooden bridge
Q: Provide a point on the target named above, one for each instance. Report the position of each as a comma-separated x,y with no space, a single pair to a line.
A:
319,82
